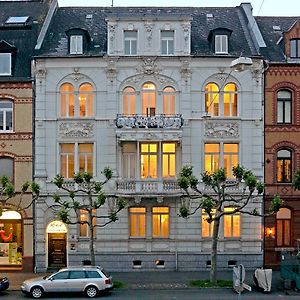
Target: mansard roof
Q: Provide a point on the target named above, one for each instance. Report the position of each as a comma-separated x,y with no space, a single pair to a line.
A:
272,30
21,35
231,18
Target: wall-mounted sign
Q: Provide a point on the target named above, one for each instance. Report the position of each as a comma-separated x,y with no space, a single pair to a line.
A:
56,227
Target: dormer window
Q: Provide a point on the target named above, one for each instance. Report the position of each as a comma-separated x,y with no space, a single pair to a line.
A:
78,40
221,44
295,48
130,42
76,44
5,64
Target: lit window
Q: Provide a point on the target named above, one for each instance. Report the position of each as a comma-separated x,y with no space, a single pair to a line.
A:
167,42
169,101
168,160
5,64
283,227
149,99
76,44
230,100
221,155
212,99
130,42
221,103
221,44
76,158
84,223
76,104
7,167
284,107
207,228
160,222
149,160
137,217
6,116
129,160
129,101
295,48
232,224
284,166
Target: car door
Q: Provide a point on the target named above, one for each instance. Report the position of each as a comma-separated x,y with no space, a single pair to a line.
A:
77,281
58,282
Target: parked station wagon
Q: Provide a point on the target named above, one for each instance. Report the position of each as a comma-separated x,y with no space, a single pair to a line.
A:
84,279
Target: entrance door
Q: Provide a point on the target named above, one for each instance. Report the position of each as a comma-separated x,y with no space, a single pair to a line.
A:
57,250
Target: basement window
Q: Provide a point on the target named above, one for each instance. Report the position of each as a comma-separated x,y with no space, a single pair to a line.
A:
231,263
159,263
137,264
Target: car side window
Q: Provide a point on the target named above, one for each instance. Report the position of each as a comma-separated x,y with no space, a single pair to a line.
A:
77,274
93,274
61,275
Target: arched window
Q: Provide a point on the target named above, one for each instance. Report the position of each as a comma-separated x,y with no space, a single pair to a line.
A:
86,100
129,96
169,101
230,100
7,167
212,99
149,99
284,166
67,100
283,227
284,107
78,103
6,115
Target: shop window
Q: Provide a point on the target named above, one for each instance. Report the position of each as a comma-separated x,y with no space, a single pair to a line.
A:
284,166
283,227
6,115
137,217
232,224
11,238
160,222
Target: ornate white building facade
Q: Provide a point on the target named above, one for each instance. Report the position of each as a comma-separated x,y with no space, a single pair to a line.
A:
145,92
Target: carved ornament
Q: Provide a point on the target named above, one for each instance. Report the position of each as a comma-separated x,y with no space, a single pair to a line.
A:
222,130
76,130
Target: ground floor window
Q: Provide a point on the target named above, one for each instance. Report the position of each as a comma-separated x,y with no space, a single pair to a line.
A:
11,240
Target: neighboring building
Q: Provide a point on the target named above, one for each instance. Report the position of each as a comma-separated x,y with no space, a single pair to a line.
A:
20,23
146,91
282,143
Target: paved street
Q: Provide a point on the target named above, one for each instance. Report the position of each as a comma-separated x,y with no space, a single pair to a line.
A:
166,294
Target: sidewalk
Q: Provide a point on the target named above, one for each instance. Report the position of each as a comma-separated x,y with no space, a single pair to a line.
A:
159,279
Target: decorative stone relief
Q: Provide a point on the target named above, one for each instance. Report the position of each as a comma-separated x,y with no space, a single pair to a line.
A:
112,34
76,75
148,67
222,77
186,71
76,130
111,70
256,71
149,26
186,34
222,130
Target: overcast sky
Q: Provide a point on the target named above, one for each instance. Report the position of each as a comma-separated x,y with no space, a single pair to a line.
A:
260,7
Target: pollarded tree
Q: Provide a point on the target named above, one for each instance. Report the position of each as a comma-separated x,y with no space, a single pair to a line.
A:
9,197
219,197
86,195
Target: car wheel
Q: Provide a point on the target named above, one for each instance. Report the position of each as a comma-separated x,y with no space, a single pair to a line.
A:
36,292
91,291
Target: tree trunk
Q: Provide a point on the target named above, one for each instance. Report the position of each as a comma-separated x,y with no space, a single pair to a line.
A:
91,241
214,249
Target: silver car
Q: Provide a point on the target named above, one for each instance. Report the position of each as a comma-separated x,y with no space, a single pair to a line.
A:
84,279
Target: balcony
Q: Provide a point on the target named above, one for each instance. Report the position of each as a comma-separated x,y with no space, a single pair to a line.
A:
148,187
157,121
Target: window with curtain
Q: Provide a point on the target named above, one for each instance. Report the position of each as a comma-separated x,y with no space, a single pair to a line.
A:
283,227
137,217
6,115
207,228
232,224
160,222
129,98
149,159
284,166
84,229
149,99
169,101
76,44
221,44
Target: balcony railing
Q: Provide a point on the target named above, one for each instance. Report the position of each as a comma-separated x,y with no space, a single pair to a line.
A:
157,121
144,187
